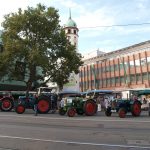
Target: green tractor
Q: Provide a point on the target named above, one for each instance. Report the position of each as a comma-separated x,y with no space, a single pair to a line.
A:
75,104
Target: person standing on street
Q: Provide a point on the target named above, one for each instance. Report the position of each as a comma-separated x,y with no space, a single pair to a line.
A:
36,106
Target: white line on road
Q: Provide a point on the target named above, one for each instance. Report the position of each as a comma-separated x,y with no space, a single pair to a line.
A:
79,119
74,142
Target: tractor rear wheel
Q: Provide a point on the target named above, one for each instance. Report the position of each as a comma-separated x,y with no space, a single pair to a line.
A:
6,104
71,112
90,107
44,105
20,109
136,109
122,113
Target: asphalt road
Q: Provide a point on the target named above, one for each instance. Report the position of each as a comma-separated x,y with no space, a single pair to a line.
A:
54,132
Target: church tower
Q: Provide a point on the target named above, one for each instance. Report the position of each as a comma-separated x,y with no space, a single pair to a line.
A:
71,31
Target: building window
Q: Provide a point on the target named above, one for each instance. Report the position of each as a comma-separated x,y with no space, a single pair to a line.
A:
100,83
121,66
122,79
143,61
108,82
113,81
68,37
104,83
111,68
117,80
103,69
116,67
144,76
74,31
69,31
148,60
92,82
126,64
75,44
132,78
107,68
85,73
131,64
137,63
138,77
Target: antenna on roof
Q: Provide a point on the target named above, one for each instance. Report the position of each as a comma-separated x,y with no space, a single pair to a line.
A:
69,13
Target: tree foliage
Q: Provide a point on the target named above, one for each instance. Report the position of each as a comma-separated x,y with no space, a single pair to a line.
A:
35,42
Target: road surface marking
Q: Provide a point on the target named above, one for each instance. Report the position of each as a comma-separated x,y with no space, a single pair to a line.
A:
138,142
74,142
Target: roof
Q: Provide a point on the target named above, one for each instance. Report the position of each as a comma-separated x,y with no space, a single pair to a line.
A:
114,54
70,22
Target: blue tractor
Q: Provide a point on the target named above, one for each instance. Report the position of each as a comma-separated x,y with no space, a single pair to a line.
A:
43,98
123,106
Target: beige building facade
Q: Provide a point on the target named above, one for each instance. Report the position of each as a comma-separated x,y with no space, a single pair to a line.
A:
126,68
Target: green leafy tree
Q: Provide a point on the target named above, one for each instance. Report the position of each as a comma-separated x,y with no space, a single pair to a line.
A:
35,42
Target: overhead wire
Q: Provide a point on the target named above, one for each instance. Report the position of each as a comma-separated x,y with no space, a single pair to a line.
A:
117,25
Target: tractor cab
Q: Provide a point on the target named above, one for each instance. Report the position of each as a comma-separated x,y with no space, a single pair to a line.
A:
44,90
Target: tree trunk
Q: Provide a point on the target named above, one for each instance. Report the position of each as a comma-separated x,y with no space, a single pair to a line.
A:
60,86
31,79
29,86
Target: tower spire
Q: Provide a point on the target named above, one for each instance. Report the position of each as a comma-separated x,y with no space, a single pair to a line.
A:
69,13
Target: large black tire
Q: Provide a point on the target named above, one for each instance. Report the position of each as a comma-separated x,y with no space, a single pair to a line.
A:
6,104
90,107
20,109
136,109
44,104
71,112
122,112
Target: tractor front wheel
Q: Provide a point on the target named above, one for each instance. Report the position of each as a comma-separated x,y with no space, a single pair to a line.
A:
122,113
71,112
20,109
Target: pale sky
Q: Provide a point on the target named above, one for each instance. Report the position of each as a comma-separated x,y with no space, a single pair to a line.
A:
93,13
